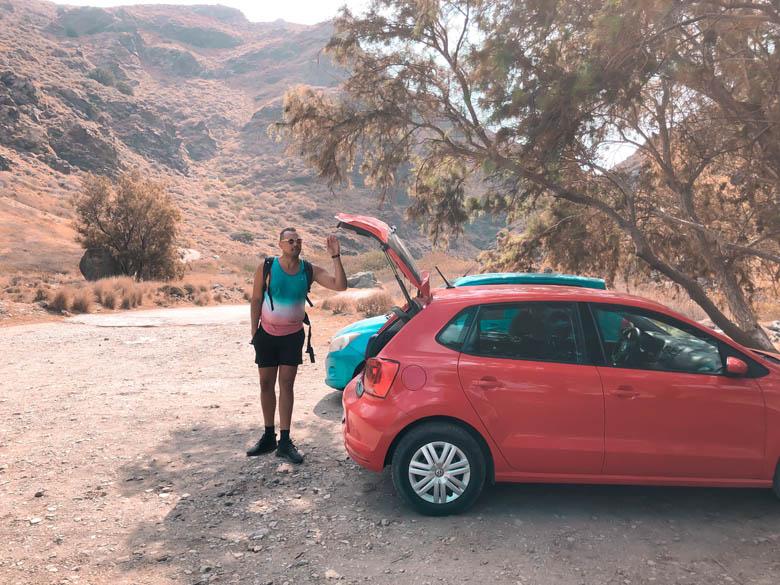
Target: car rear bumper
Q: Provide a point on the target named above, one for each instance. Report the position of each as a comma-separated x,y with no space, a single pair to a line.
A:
370,424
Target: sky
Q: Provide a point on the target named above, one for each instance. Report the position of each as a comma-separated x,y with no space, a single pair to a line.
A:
297,11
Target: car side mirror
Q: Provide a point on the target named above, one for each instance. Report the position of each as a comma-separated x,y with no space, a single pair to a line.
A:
735,366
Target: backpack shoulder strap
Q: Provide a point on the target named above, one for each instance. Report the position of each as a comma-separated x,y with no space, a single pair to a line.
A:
309,348
308,269
267,264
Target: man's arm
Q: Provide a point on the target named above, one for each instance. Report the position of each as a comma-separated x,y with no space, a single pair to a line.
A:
337,280
256,302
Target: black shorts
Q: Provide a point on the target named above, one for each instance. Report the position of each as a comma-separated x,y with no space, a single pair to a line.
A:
278,350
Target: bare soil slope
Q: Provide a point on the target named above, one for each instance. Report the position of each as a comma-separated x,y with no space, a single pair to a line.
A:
186,94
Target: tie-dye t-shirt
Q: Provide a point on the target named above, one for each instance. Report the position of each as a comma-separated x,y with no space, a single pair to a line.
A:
289,295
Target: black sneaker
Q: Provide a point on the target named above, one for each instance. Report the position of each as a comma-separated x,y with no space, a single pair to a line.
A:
287,450
266,444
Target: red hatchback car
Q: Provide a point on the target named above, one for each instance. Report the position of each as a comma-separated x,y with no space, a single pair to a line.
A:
554,384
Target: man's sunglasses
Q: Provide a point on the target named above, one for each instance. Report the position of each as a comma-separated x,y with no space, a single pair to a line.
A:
292,241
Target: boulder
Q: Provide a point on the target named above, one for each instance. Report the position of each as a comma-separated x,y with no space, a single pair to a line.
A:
18,90
199,142
85,148
85,21
97,263
175,61
362,280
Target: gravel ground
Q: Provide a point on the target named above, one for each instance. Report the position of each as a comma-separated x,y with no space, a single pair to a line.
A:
122,462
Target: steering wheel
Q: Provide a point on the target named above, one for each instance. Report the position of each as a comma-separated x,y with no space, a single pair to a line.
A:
627,344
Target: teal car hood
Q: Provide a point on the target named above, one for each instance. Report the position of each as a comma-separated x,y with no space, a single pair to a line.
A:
371,324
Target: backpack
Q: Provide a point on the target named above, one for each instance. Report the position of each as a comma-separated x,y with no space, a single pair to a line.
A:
308,270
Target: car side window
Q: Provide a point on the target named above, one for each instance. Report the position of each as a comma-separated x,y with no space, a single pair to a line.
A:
537,331
453,334
634,338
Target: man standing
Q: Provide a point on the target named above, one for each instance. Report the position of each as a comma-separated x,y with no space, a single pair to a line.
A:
277,333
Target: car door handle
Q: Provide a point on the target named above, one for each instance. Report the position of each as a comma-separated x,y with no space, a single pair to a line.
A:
488,383
625,392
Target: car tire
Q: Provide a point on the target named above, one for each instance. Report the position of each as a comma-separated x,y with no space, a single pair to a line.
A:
438,469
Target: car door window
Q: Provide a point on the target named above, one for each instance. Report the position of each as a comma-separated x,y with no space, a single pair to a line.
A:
635,338
538,331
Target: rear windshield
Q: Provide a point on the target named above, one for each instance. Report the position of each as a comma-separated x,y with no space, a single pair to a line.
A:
397,245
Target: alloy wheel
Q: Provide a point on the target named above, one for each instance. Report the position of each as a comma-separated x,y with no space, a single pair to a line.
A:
439,472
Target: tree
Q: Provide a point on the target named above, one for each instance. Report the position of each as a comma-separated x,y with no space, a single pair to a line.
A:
135,220
531,96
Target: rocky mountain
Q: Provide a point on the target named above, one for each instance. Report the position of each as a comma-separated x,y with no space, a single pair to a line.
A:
185,94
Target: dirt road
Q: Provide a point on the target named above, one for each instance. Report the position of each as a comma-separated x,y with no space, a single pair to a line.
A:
122,462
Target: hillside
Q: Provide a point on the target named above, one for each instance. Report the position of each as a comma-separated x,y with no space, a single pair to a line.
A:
185,94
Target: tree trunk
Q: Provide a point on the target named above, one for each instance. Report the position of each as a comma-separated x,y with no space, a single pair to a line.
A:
747,332
743,315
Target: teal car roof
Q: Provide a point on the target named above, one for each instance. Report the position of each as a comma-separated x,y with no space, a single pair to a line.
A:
530,278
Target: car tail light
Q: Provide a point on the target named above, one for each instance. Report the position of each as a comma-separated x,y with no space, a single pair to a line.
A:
379,376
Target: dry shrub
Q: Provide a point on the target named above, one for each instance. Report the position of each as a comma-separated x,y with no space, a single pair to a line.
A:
336,305
62,299
108,300
202,300
41,294
122,284
669,297
102,288
131,292
218,298
82,301
374,304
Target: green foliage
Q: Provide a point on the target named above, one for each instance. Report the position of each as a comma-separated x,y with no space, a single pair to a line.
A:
125,88
243,237
135,220
512,107
102,76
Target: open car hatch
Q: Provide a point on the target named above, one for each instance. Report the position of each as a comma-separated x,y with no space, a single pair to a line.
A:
393,247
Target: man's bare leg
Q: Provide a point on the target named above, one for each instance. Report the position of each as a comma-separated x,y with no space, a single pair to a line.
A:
286,395
268,394
267,442
286,448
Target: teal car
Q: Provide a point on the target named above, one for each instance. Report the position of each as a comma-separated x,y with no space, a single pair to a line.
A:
348,347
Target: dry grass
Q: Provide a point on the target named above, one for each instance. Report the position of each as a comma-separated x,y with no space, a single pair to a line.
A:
375,304
42,294
669,297
62,299
108,300
82,301
336,305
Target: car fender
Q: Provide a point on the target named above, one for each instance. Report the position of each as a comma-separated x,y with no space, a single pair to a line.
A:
424,405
